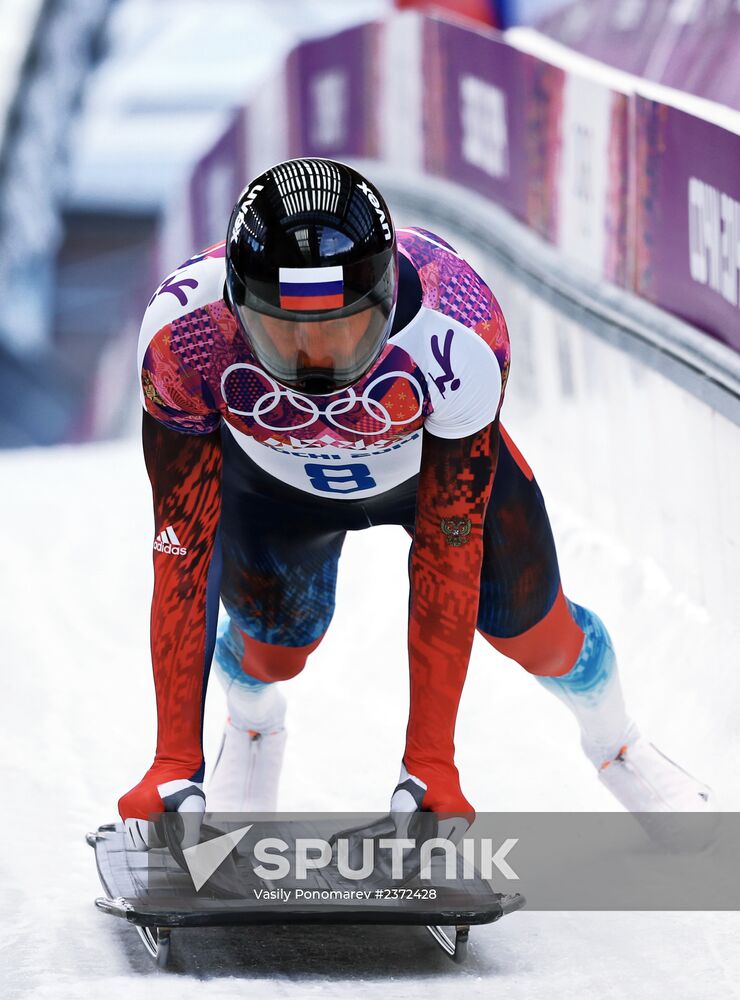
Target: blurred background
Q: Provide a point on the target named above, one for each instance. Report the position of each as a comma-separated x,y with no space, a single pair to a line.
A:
106,108
109,107
585,155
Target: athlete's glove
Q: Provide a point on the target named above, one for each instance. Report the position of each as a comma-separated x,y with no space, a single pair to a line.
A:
432,787
415,816
163,789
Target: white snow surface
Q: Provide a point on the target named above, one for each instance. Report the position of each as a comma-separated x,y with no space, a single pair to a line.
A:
77,729
77,720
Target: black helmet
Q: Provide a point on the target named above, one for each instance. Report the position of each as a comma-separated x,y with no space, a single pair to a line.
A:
311,273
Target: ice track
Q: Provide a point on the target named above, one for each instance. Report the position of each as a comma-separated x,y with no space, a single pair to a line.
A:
77,728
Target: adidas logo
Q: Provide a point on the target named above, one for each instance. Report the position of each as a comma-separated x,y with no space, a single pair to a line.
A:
168,542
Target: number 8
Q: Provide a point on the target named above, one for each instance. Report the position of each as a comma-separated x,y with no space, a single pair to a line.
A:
340,478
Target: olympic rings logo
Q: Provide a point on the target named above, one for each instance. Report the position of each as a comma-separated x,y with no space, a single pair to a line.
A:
338,407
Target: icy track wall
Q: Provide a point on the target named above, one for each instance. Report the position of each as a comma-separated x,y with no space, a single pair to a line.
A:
604,211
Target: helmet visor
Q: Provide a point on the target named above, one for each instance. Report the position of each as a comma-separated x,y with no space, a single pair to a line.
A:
317,356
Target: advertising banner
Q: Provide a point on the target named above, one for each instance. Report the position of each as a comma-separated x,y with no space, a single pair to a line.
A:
593,177
488,125
549,146
541,123
266,123
216,183
722,81
620,33
401,90
331,95
704,42
647,200
688,218
691,45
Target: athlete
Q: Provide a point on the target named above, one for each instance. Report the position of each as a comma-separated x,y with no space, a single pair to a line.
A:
320,373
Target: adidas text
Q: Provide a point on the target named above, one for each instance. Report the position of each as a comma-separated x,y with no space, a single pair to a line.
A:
168,542
174,550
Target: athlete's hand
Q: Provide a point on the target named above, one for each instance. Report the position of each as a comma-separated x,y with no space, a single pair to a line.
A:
432,787
162,790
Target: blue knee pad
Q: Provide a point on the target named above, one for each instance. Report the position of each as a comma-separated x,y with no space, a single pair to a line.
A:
596,662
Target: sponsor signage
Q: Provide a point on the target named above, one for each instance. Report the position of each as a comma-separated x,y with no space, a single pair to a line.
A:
474,110
331,104
215,185
688,218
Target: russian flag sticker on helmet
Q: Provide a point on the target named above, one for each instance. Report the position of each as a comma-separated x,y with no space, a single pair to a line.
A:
309,288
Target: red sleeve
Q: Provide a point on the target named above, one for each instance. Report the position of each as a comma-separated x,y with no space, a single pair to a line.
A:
446,557
185,475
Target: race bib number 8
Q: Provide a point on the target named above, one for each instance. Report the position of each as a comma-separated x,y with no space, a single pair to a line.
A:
340,478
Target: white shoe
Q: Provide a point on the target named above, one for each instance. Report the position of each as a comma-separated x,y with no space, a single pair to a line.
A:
645,781
246,774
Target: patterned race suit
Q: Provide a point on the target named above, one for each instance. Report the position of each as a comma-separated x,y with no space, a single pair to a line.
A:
255,486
